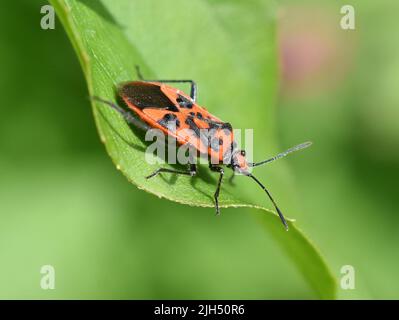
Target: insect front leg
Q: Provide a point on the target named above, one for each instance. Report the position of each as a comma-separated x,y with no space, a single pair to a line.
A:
216,195
191,172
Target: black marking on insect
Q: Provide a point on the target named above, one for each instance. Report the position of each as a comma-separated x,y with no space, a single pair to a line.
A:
170,121
145,95
184,102
213,124
227,125
193,126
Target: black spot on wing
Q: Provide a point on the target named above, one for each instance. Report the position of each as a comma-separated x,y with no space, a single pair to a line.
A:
203,135
170,122
213,124
146,95
226,127
193,126
184,102
169,117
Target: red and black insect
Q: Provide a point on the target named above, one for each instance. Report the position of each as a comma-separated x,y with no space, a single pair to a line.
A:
157,106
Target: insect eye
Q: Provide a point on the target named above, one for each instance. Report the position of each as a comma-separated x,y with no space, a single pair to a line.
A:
243,153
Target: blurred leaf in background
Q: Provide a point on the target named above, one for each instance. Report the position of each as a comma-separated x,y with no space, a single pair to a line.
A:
340,87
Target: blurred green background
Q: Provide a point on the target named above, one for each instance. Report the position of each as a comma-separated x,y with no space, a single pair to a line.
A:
63,203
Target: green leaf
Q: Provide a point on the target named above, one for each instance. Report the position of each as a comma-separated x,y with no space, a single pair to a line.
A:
228,47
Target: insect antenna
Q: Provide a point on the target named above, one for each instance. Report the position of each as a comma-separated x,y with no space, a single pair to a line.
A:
272,200
282,154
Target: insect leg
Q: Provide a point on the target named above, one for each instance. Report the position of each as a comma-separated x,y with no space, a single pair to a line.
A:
191,172
193,89
216,195
128,117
